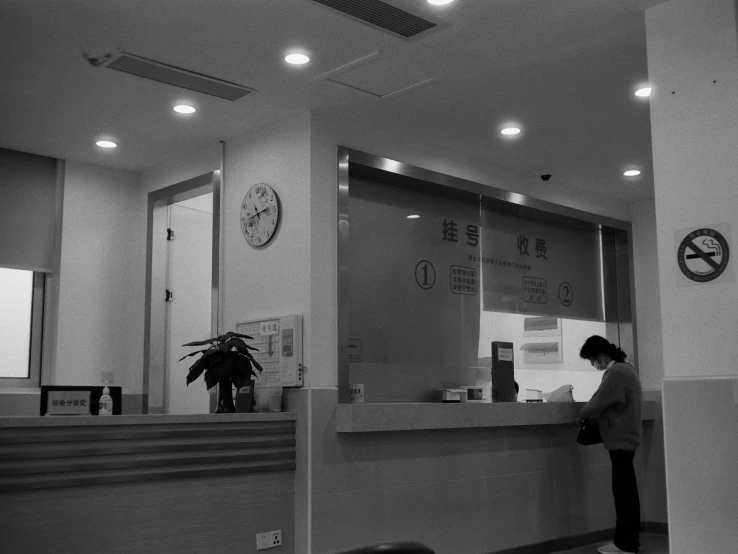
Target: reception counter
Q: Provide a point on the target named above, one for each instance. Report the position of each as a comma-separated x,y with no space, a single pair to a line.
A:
146,483
364,418
64,451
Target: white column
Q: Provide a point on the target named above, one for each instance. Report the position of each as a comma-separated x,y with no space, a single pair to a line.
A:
693,67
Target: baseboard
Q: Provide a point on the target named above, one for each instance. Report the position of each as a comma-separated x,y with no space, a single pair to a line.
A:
575,541
655,527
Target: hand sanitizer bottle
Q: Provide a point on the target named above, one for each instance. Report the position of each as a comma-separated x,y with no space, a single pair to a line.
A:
106,403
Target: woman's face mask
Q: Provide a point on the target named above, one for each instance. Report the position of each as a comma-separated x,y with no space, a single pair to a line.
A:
597,364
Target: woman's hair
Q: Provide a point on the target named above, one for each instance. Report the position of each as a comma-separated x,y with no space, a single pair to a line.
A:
597,345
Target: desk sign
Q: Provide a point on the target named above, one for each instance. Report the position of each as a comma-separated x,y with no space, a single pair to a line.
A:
76,399
68,402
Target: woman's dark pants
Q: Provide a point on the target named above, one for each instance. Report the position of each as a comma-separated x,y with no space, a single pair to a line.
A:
627,503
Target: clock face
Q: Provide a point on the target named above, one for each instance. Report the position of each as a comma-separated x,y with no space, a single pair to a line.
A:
259,214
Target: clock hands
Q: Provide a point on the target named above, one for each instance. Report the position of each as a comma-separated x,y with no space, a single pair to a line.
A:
258,214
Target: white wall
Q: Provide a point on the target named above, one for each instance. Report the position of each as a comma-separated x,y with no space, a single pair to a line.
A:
647,295
101,293
274,280
189,165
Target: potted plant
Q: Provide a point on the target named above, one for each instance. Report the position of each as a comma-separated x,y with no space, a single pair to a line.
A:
227,361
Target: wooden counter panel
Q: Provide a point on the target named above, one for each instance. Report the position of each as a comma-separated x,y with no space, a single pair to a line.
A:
69,455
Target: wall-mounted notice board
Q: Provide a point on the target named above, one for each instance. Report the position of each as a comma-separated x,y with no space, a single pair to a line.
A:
279,343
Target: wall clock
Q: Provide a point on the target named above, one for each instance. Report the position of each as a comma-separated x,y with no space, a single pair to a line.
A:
260,214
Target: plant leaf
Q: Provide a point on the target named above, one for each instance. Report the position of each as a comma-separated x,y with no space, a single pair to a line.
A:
193,353
201,342
197,368
231,334
256,364
240,345
210,379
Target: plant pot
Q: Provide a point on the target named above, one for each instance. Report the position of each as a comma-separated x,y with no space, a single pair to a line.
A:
225,398
244,398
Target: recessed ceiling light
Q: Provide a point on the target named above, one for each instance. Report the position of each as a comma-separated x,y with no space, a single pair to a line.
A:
632,173
296,59
439,2
510,131
643,92
414,216
184,109
106,144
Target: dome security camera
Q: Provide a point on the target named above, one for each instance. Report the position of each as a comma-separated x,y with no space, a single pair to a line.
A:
546,177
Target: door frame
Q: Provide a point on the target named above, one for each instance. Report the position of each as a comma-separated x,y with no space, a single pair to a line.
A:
155,356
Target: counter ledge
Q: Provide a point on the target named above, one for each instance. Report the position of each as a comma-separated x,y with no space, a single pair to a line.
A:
368,417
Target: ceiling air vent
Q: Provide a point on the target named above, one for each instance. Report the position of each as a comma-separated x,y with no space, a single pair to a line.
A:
171,75
382,15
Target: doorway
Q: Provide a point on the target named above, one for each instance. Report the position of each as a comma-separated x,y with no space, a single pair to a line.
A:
182,291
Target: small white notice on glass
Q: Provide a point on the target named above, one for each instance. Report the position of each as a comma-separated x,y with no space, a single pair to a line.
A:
72,402
354,354
505,355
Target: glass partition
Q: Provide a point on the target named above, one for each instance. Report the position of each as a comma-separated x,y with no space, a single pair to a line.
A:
435,273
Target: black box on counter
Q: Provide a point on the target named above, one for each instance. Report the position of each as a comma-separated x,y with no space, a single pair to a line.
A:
503,372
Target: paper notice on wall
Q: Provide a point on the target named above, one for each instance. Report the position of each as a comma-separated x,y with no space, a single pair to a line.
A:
267,345
278,343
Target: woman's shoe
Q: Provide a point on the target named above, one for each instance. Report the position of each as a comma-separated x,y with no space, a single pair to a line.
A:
610,548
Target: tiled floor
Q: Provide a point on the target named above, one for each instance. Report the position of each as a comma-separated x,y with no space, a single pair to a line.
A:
651,543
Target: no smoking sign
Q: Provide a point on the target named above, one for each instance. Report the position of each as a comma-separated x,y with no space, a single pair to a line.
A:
703,255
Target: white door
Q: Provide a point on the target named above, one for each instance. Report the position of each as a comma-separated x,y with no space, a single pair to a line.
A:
189,312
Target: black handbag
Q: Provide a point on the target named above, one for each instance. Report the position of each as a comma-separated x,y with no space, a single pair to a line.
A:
589,434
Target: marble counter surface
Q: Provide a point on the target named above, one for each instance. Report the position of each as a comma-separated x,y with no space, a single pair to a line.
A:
363,418
149,419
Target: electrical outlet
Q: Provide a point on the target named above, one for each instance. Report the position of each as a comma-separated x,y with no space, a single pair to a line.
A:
276,538
263,541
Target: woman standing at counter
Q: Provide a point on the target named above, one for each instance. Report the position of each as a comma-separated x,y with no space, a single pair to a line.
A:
617,406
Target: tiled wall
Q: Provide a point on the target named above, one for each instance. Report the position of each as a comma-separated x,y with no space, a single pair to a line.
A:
701,442
469,490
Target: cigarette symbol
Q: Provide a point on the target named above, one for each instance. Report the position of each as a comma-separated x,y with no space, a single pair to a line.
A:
711,247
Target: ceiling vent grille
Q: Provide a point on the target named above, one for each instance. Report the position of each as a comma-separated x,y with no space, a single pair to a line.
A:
382,15
171,75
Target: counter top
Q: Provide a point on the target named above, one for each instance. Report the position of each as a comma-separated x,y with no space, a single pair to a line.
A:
138,419
364,418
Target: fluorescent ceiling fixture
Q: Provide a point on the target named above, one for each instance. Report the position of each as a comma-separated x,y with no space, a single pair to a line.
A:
632,173
643,92
510,131
439,2
106,144
296,59
183,108
414,216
